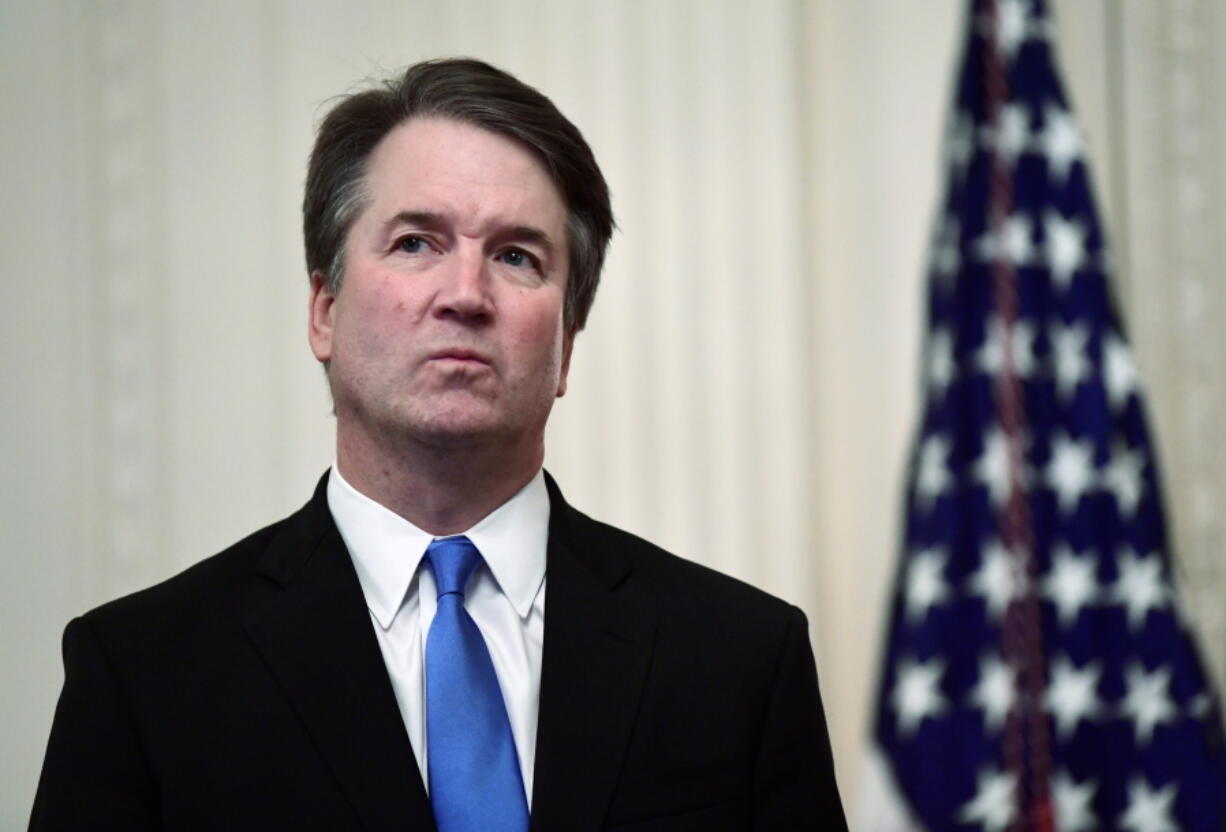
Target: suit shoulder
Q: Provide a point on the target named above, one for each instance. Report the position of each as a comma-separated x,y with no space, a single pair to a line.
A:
211,586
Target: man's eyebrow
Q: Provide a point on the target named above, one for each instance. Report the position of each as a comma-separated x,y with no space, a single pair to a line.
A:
526,234
427,219
514,233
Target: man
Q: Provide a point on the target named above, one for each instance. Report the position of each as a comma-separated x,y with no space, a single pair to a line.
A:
384,658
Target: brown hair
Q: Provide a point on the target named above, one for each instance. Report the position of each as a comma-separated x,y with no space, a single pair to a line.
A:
475,93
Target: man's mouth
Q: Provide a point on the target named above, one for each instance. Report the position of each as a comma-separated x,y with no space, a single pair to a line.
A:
462,356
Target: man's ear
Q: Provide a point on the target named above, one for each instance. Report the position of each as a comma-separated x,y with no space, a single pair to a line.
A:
319,317
568,344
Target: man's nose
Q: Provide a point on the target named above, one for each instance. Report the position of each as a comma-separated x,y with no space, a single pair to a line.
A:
465,293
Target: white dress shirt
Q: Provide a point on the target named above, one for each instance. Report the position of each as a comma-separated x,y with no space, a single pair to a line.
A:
505,597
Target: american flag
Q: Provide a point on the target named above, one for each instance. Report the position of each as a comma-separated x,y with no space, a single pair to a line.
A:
1037,674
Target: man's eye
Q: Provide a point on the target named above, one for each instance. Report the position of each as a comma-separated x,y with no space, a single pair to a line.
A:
518,258
412,245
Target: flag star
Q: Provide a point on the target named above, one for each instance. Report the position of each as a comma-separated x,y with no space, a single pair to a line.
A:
999,579
1069,351
1065,247
1122,477
1071,470
1074,812
1139,586
991,358
1011,240
940,361
1010,135
995,692
932,477
946,254
993,807
1017,240
960,143
1071,584
1072,695
1149,810
926,585
1119,371
1013,26
1147,701
993,468
1200,705
1060,141
915,694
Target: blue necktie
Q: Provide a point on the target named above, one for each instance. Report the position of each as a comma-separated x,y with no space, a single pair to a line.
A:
475,784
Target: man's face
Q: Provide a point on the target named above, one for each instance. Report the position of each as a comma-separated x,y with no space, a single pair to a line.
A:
447,328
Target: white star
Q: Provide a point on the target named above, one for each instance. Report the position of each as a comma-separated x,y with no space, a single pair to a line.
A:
1074,812
932,477
940,361
1017,240
1139,586
1013,26
915,694
1147,701
993,806
1009,137
999,579
992,468
959,143
1149,810
1071,470
995,692
1122,477
991,358
1060,141
1119,371
926,585
1010,240
946,253
1068,345
1071,584
1065,246
1072,695
1200,705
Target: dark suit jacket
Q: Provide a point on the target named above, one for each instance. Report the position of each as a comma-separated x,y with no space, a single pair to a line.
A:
249,692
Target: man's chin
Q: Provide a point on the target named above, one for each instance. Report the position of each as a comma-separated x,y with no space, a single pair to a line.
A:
446,422
455,435
453,427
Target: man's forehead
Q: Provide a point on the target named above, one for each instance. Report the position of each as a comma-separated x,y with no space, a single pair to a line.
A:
450,168
445,146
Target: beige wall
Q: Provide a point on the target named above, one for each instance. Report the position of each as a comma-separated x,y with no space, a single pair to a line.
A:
746,389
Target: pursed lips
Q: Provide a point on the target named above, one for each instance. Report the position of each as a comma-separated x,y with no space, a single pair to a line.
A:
464,356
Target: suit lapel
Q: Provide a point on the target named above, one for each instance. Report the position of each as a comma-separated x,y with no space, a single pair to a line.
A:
315,635
598,639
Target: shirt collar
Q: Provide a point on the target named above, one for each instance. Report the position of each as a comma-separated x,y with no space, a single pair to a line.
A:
387,549
513,539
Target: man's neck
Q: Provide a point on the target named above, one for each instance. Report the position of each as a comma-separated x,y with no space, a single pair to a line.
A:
440,490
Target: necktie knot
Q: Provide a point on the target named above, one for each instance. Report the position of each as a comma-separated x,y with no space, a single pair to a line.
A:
453,560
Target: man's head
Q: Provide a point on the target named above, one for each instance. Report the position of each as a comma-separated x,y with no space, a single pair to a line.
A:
476,94
455,227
